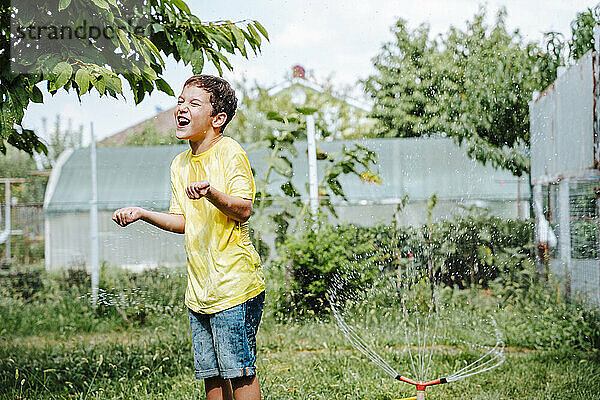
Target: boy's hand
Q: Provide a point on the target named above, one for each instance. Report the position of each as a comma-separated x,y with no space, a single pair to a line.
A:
127,215
197,190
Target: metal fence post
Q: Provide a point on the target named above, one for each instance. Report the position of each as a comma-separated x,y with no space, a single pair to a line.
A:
8,222
538,213
564,238
312,165
94,219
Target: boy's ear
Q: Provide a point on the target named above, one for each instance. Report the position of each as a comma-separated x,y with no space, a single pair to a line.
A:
219,120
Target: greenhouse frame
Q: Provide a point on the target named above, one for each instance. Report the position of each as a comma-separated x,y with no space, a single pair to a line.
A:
139,176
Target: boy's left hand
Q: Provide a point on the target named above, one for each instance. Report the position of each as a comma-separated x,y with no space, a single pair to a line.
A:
197,190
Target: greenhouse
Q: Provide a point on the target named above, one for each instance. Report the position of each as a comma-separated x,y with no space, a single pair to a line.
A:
139,176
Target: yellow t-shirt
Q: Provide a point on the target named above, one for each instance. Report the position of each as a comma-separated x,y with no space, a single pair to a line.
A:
223,267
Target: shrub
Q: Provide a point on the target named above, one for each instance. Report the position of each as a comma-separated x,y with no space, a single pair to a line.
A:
477,248
538,316
471,249
347,256
23,283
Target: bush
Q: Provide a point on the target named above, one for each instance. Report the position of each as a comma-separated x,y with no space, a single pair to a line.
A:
345,256
540,317
23,283
472,249
477,248
34,300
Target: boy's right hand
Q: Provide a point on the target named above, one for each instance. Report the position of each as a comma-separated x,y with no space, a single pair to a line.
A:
127,215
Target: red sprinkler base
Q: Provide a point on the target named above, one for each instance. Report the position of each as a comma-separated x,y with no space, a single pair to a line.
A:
421,385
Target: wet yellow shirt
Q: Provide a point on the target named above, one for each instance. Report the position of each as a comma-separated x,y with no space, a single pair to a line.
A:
223,267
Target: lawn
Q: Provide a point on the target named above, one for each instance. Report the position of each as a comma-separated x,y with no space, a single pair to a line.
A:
136,345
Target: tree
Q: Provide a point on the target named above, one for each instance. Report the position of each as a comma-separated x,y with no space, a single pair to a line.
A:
118,39
334,118
473,86
62,139
488,107
17,164
582,32
405,88
290,212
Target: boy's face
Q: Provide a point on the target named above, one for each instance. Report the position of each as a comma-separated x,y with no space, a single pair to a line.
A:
193,114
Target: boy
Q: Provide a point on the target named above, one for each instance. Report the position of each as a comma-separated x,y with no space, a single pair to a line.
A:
212,189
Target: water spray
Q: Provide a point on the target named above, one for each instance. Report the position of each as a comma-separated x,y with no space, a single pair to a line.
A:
489,360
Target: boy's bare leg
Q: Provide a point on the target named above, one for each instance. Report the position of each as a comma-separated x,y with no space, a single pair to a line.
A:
246,388
217,388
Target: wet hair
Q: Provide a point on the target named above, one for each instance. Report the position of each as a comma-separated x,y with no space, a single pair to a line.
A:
222,95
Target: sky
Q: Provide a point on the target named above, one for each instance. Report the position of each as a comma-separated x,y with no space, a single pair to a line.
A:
336,39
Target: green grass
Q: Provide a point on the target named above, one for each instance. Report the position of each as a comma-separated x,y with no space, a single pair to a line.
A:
54,345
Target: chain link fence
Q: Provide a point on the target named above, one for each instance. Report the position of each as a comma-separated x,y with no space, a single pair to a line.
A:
584,219
27,234
574,257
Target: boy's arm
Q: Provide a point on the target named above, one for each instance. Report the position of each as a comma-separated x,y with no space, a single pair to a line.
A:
236,208
168,222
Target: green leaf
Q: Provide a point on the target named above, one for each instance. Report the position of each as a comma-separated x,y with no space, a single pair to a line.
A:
289,190
239,39
62,71
6,121
261,29
254,34
113,83
221,39
181,5
153,48
82,79
27,141
197,61
251,40
99,83
142,49
62,4
36,95
282,165
184,48
101,4
335,187
163,86
123,39
224,60
306,110
149,72
216,63
19,93
274,116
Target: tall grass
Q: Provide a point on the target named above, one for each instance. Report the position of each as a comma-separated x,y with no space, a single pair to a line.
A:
136,344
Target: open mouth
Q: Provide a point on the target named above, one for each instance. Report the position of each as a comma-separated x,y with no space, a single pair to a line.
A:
182,121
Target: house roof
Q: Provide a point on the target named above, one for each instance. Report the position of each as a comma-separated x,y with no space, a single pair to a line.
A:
163,122
419,167
307,84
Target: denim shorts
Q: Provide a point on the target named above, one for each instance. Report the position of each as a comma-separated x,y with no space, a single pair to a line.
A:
224,343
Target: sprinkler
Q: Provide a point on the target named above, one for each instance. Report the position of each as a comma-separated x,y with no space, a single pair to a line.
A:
420,385
493,357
